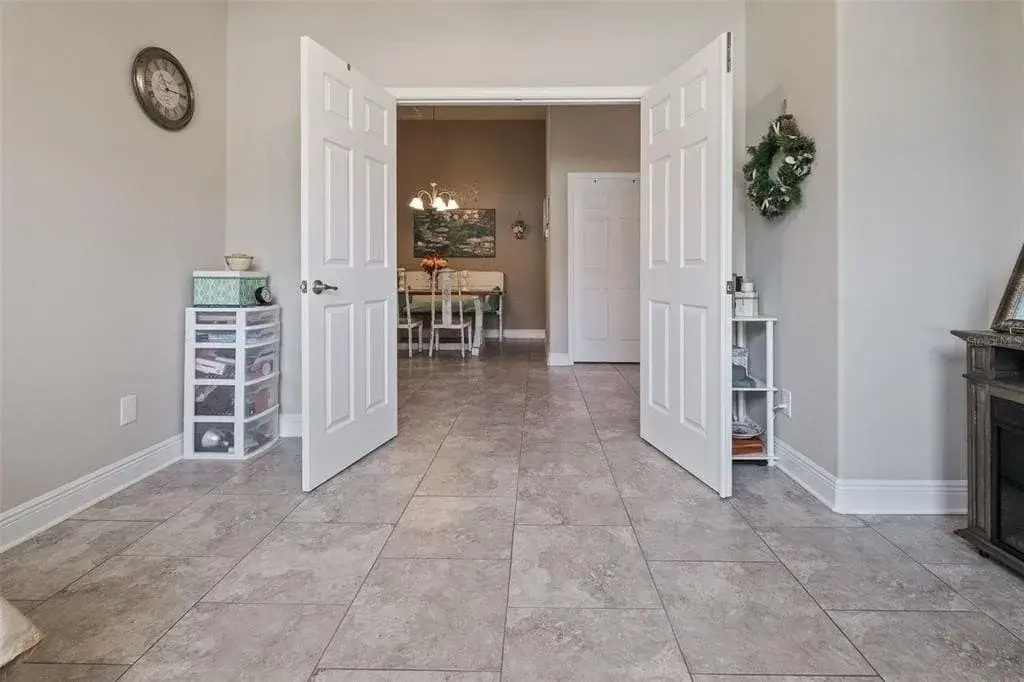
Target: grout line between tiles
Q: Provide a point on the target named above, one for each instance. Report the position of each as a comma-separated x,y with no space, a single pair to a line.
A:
219,580
377,559
816,603
643,555
972,602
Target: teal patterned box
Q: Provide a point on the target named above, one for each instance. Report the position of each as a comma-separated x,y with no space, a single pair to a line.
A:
226,287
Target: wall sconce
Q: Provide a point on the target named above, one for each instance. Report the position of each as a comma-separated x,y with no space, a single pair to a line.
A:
519,227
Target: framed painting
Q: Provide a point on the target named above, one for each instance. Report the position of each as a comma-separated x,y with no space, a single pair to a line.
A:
459,233
1010,313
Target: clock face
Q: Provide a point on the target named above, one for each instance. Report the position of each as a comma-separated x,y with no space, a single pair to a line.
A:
162,88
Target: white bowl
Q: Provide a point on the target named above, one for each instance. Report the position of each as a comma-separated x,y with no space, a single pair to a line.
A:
238,262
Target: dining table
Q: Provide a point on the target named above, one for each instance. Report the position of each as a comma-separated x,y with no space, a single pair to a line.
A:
477,296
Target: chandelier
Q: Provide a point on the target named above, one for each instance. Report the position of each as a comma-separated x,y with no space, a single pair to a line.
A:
439,201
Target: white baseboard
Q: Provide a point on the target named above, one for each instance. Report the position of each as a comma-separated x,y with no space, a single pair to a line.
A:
810,475
290,426
540,334
38,514
559,360
868,496
871,496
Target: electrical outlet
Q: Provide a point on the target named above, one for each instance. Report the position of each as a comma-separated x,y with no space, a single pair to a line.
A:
786,402
128,410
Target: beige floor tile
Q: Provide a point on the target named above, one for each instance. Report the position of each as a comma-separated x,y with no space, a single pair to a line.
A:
563,459
240,642
454,528
687,529
929,645
596,645
216,525
305,563
569,500
425,614
353,497
751,618
61,672
37,568
579,566
401,676
856,568
120,609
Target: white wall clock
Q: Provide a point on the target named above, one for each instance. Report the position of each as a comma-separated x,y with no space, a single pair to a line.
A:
162,88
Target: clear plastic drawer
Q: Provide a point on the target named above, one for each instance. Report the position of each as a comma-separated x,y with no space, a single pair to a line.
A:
260,432
262,362
266,333
215,363
218,336
216,317
256,316
215,400
214,437
260,398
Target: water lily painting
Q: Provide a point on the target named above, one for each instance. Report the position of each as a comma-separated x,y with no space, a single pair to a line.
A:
460,233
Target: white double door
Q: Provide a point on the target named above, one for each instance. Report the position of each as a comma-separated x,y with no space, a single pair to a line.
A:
349,318
348,198
686,258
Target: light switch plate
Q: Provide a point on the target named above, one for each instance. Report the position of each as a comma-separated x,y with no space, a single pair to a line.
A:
786,402
129,410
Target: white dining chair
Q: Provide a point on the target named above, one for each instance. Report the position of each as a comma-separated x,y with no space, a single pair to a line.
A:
449,288
406,321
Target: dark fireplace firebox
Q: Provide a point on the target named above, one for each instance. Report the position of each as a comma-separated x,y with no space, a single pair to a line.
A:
995,445
1008,474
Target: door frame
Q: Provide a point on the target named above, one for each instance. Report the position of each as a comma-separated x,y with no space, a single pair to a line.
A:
573,189
605,94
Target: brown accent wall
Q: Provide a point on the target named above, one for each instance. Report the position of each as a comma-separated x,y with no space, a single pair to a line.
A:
506,161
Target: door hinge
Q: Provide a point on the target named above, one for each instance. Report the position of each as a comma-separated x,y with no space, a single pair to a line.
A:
728,52
303,287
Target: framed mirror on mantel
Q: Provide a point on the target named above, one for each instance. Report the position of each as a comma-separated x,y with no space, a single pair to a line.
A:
1010,313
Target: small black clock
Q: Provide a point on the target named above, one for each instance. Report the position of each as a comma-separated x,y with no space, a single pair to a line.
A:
163,88
263,295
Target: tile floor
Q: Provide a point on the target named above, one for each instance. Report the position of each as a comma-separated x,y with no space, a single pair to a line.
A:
516,530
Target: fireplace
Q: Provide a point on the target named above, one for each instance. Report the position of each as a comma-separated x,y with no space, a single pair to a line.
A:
995,445
1007,427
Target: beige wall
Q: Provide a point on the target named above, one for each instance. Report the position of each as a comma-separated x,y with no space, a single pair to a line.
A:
498,44
581,138
794,262
900,239
104,217
505,160
929,233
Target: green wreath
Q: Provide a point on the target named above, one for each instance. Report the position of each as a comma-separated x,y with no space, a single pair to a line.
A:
772,196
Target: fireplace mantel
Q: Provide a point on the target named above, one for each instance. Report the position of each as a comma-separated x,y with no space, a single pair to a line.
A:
995,373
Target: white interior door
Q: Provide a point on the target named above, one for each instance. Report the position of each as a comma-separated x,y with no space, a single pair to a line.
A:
604,221
349,337
686,177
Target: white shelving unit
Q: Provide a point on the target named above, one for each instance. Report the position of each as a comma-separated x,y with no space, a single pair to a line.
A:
232,381
742,330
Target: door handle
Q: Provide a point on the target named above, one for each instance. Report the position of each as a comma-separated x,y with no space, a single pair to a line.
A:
319,287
